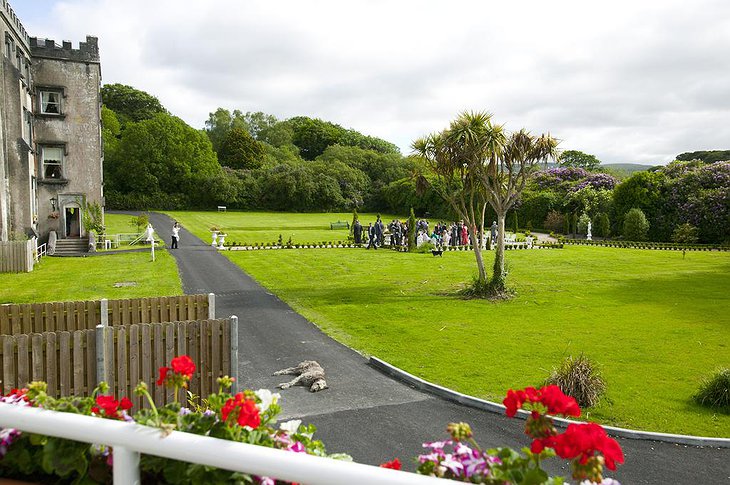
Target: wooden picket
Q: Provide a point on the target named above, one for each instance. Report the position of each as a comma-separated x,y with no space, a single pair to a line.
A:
16,319
67,361
17,256
62,359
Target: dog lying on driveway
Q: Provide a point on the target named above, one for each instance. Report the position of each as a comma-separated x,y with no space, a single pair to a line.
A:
309,373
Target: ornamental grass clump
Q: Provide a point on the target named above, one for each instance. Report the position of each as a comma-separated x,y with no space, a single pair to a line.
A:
580,378
714,392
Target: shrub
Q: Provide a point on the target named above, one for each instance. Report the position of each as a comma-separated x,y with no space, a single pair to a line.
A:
425,248
603,225
636,227
714,392
554,221
583,223
579,378
685,233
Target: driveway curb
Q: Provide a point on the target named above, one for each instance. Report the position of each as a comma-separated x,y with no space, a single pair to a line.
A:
494,407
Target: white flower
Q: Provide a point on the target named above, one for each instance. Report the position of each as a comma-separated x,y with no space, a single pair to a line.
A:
291,427
267,399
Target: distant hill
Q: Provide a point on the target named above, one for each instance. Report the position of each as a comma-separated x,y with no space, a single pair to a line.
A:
627,167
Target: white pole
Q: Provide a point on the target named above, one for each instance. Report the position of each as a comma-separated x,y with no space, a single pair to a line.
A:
234,354
152,245
211,306
126,466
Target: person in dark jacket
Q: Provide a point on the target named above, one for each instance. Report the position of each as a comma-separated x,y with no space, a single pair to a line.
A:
357,232
372,236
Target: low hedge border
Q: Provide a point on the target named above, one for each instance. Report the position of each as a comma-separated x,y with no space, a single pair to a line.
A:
335,245
649,245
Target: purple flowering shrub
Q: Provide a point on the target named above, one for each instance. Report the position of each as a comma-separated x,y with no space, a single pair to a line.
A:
559,177
599,181
701,196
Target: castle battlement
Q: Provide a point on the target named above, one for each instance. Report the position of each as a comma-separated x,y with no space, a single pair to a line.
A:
87,52
7,11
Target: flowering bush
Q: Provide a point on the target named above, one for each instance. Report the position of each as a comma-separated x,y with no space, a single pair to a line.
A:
586,445
247,417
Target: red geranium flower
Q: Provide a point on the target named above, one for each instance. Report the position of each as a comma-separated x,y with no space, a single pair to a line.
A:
181,370
513,402
111,406
551,397
557,402
393,465
163,375
248,412
183,365
584,441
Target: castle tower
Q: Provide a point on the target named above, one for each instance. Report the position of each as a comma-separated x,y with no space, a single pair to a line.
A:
50,132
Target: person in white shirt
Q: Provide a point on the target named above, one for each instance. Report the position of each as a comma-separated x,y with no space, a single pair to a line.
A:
175,235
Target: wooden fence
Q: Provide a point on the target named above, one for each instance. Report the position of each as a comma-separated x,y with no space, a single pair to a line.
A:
17,256
85,315
73,363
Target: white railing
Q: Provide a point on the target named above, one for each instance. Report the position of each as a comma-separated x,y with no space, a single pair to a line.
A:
41,251
130,439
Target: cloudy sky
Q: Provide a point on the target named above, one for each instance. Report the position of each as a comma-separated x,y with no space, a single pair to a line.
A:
629,81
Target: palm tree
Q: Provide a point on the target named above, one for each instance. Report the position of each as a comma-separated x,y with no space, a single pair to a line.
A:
456,156
504,179
477,164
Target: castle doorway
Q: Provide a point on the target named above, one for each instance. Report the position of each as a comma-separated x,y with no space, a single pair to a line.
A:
72,218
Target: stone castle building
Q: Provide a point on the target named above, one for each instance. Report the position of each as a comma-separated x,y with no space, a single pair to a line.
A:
50,133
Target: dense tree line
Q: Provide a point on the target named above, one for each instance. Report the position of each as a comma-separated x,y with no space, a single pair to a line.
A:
253,161
250,161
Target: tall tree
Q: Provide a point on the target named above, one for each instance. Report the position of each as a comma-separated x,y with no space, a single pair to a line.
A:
456,156
162,155
575,158
478,163
240,150
504,173
707,156
130,104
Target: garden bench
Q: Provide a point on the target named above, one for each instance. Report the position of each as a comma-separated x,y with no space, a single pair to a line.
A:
221,208
339,225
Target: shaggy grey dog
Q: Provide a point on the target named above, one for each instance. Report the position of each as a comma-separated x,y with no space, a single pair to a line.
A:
308,373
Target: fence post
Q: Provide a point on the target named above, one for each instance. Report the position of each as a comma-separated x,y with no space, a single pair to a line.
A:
126,466
234,353
211,306
100,335
104,312
101,357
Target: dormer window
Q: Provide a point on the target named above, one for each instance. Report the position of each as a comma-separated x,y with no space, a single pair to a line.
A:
50,102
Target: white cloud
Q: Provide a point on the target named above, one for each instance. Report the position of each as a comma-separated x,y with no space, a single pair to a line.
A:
628,81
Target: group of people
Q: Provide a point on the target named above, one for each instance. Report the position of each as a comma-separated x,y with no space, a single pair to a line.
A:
455,234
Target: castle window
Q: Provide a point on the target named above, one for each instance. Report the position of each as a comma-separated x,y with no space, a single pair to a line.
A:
28,126
9,47
51,102
52,162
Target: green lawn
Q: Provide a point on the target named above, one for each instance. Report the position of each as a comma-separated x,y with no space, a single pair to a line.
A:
265,227
64,279
657,323
119,224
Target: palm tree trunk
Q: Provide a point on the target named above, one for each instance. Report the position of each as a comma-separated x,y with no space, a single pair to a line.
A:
478,255
498,278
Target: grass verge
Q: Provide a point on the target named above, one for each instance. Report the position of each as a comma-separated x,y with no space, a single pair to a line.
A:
66,279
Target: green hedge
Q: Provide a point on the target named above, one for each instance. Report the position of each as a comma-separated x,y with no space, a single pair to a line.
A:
650,245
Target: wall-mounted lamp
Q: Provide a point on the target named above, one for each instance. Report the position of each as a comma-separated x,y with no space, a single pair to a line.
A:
53,204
